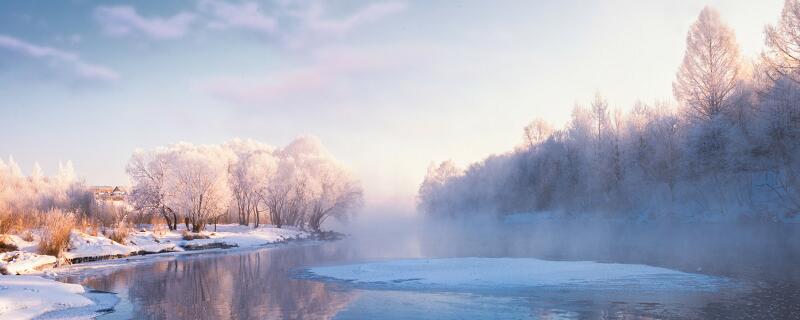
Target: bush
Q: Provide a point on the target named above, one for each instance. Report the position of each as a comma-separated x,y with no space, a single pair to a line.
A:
56,232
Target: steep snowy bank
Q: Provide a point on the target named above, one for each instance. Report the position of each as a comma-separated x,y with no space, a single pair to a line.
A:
492,273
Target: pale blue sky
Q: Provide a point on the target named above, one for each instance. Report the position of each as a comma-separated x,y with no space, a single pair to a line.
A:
388,86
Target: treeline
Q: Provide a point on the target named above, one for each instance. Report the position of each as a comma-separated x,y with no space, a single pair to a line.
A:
299,185
730,147
27,201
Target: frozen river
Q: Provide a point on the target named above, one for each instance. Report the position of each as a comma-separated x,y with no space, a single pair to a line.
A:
361,279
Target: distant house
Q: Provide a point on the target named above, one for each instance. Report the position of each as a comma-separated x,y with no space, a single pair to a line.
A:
104,193
102,190
118,192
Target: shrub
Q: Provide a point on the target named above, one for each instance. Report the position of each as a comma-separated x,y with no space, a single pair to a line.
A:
56,233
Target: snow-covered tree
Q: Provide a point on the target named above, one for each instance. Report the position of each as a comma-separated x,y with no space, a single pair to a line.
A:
299,185
710,71
148,171
199,183
432,192
536,132
781,56
334,193
251,172
29,200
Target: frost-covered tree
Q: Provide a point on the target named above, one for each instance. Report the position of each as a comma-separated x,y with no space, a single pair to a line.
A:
600,114
709,74
148,171
199,183
781,56
536,132
431,197
300,185
723,150
181,180
334,193
309,186
251,172
29,200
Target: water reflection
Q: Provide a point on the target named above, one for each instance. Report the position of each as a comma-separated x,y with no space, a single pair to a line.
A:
240,285
262,284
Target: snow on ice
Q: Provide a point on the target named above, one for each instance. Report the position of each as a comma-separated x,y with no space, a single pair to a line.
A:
488,273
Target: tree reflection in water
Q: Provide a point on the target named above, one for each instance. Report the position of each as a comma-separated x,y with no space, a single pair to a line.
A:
228,285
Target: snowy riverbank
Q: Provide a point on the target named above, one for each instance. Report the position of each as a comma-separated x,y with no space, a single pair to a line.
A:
25,294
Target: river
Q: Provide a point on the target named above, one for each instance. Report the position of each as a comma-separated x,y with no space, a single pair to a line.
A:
270,283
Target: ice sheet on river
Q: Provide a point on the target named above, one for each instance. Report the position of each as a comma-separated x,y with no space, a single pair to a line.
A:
489,273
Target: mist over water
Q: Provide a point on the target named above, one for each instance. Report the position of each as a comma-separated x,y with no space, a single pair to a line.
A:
759,260
749,250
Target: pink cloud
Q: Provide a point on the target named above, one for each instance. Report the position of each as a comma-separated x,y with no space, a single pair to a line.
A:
329,68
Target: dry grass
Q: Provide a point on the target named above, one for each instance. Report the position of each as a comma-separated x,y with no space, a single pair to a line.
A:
192,236
27,235
159,227
56,232
119,234
6,244
10,222
89,227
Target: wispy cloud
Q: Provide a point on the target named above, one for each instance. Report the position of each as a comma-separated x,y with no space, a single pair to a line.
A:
296,22
124,20
246,15
74,62
316,21
330,68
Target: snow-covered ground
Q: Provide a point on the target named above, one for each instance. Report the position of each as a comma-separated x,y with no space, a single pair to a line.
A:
82,245
25,297
244,236
499,273
85,247
21,262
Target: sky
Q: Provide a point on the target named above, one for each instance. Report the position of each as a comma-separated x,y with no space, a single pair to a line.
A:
388,86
